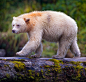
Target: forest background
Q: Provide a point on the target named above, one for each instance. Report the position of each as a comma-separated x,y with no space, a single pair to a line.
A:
13,43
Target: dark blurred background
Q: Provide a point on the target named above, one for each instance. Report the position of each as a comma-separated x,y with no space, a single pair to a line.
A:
12,43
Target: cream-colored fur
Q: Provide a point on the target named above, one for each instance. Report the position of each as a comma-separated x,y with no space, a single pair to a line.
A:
51,26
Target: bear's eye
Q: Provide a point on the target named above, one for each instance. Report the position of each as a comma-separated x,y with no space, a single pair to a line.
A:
18,25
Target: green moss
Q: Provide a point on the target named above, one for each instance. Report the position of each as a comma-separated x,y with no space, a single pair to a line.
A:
57,66
6,65
41,70
79,67
56,61
53,68
75,63
31,77
4,59
47,66
7,75
77,75
30,72
37,74
85,69
4,79
19,66
68,81
20,78
30,57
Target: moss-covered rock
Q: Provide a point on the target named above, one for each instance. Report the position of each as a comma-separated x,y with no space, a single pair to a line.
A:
42,70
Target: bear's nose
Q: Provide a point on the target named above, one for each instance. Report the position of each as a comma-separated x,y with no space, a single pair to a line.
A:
13,31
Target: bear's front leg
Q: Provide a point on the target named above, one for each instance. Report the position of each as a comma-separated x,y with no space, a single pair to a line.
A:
33,44
38,52
26,50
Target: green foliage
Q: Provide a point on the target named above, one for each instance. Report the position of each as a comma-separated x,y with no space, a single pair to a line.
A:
49,49
9,8
11,43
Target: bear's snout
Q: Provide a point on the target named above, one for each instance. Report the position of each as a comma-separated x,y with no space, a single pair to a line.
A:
13,31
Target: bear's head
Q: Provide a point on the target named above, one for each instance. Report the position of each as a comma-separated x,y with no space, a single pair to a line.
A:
19,24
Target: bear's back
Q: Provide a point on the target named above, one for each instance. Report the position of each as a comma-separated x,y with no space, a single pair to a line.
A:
53,23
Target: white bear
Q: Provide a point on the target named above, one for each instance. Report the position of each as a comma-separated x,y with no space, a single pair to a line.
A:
49,25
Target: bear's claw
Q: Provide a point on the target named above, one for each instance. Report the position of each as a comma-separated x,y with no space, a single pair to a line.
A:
35,56
20,53
57,57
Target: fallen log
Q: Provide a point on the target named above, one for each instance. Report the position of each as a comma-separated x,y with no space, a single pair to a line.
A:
22,69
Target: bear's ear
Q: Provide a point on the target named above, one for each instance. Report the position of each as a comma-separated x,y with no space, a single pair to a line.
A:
27,19
14,18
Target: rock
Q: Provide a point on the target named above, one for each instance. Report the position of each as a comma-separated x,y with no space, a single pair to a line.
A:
2,53
81,59
23,69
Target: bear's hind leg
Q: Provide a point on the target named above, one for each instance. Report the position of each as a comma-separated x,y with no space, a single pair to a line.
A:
75,49
38,52
64,45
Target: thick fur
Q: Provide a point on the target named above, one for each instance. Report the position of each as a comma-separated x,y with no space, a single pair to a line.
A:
51,26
